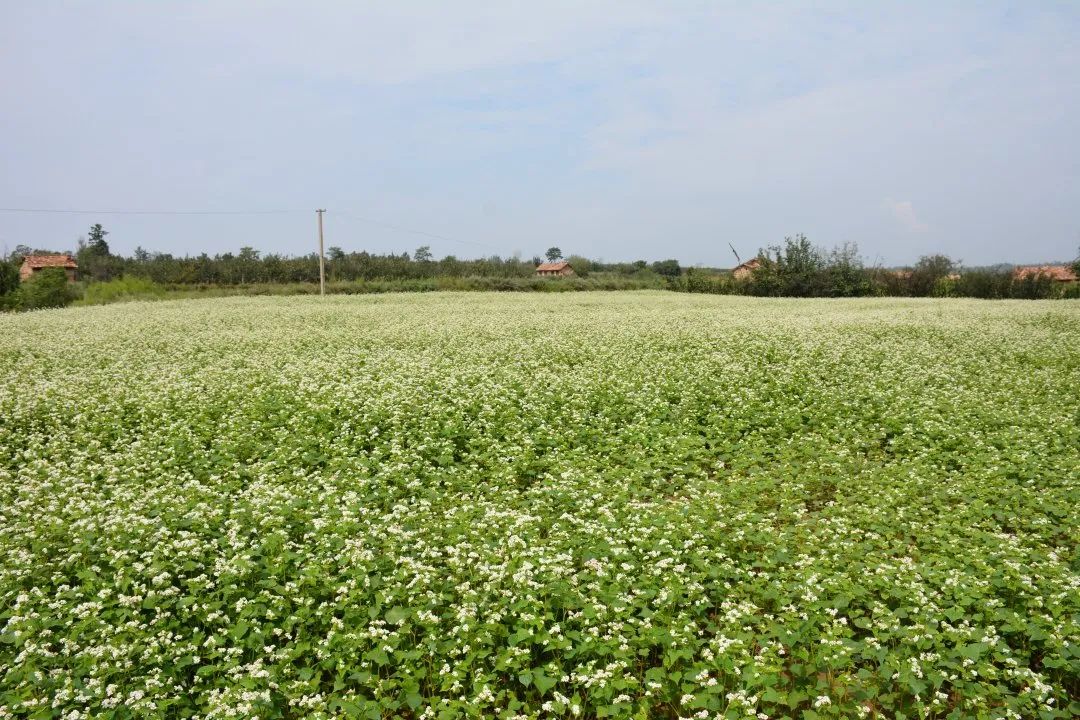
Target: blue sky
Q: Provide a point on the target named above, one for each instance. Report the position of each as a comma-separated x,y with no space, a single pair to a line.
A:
619,130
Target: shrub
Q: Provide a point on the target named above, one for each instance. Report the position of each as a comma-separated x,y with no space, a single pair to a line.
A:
125,288
47,288
9,277
927,272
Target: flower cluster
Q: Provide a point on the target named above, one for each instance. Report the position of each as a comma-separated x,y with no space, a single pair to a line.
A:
589,505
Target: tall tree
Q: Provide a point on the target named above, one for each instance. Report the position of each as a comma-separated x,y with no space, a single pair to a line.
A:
423,254
247,263
96,243
553,254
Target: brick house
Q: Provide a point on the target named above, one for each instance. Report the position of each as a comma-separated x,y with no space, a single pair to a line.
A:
744,270
554,269
35,263
1057,273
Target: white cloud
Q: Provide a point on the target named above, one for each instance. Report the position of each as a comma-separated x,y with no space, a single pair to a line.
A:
626,128
904,212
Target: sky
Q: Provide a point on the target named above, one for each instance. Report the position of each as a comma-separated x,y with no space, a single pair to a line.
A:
617,130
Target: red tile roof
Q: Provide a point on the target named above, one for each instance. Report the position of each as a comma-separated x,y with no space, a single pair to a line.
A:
1060,273
751,264
545,267
42,261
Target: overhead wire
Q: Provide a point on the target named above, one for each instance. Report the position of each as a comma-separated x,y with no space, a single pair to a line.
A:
401,228
332,212
49,211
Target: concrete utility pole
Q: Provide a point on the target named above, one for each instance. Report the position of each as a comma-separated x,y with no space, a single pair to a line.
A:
322,258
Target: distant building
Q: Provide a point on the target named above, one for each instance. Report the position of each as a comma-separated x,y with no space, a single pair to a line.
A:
745,270
36,263
1057,273
554,269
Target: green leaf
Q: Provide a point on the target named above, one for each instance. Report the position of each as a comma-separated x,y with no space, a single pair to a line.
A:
397,615
542,682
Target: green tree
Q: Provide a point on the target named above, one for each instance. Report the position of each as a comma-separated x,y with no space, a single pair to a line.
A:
667,268
581,265
9,277
19,253
96,242
247,264
846,275
928,271
553,254
95,261
1076,262
423,254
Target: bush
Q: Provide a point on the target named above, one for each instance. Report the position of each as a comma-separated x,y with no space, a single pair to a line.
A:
1034,287
9,277
930,269
9,286
47,288
125,288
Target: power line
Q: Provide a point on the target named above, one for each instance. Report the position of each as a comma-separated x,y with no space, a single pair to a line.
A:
342,213
49,211
401,228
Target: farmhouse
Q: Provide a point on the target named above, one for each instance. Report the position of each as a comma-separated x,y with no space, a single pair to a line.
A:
1057,273
554,269
36,263
744,270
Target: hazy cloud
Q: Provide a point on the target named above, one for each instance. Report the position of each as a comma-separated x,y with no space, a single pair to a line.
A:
613,129
904,213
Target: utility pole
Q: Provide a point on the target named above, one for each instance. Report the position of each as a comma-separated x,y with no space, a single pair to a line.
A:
322,258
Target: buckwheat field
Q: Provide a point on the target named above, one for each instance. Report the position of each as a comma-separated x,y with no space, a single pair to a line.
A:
646,505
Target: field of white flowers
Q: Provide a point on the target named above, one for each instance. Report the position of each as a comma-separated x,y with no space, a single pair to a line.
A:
642,505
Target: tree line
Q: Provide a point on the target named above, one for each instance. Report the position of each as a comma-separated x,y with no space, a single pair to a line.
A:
345,272
799,269
248,266
795,269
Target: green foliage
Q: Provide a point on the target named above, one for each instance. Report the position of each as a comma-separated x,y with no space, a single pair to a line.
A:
127,288
845,274
570,505
698,281
46,288
1034,287
797,269
582,266
9,277
96,243
667,268
95,261
928,271
553,254
423,254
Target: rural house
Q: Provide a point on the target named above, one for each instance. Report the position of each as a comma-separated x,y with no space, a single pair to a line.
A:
1057,273
744,270
554,269
35,263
